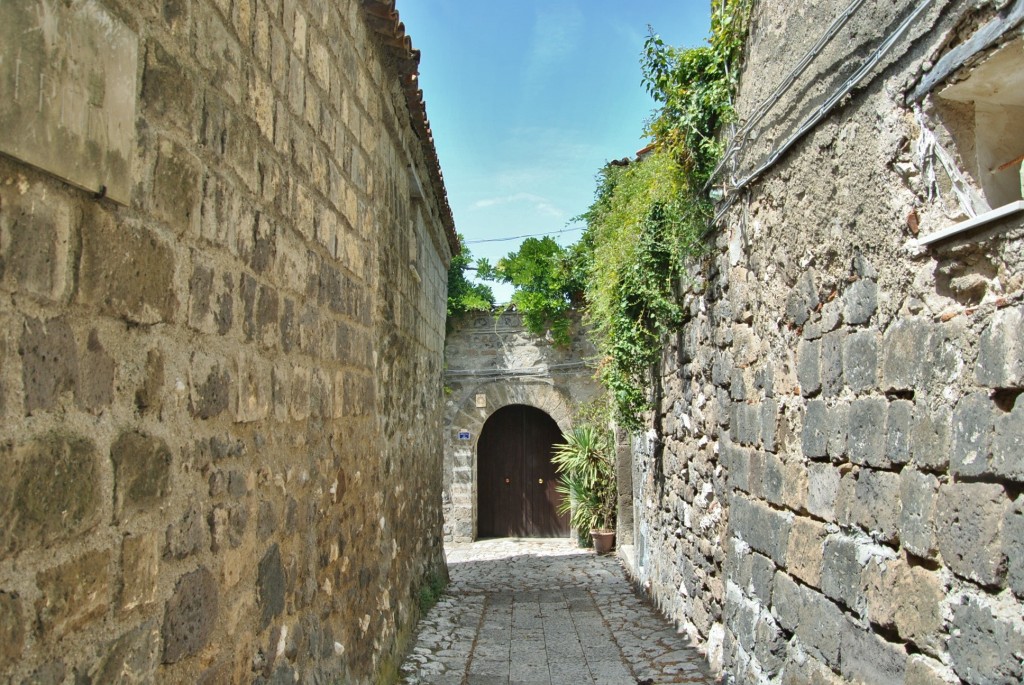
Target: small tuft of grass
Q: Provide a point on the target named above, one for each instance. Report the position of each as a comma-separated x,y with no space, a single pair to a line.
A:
430,592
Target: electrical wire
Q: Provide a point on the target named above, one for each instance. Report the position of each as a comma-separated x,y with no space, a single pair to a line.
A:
519,237
812,121
769,102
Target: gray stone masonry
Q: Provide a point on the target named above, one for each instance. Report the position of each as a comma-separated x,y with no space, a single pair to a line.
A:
495,357
844,503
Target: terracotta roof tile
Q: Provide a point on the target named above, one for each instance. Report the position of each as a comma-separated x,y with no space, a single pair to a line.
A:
382,17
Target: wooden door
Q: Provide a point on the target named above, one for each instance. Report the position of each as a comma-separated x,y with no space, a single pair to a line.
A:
515,478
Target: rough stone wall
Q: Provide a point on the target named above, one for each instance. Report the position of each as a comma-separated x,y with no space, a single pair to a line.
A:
830,488
497,361
221,404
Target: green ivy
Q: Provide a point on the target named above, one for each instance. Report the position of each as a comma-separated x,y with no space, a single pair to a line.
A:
648,217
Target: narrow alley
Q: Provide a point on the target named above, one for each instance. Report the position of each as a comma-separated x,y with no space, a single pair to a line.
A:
542,611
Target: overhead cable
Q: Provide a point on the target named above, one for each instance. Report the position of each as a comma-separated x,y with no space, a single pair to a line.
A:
812,121
519,237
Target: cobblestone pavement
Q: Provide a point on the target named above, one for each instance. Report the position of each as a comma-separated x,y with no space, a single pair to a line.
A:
526,612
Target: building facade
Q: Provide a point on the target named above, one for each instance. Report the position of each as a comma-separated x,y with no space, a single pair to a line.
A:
224,243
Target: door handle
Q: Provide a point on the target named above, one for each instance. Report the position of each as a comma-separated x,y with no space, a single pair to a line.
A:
541,481
507,481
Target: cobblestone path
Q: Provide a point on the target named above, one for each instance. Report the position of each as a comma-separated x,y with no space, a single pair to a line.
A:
527,612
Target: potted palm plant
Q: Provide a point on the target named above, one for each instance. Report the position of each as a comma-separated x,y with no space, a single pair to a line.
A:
587,484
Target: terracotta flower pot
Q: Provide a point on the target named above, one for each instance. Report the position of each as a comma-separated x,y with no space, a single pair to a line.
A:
604,541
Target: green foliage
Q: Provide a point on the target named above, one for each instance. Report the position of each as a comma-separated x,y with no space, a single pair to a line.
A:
694,88
464,295
586,468
648,217
547,285
430,592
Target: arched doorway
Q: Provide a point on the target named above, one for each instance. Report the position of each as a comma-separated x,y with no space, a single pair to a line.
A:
515,478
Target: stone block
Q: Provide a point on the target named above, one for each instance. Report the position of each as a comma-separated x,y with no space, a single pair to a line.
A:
869,658
737,460
131,659
126,271
94,390
35,228
774,480
814,439
1013,546
876,504
802,300
918,600
210,298
188,536
190,616
167,91
836,444
860,302
763,528
737,386
12,629
270,586
770,424
969,522
808,371
973,422
49,362
985,642
832,363
806,550
918,493
1001,350
820,626
822,490
802,669
210,389
176,187
866,444
794,485
898,422
1008,443
73,594
860,361
842,565
787,601
769,645
905,348
930,439
140,566
142,472
924,671
762,575
55,495
746,423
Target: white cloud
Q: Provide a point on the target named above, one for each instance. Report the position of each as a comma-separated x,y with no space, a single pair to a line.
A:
541,205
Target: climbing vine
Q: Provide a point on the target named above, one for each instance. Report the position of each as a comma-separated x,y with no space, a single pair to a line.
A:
648,217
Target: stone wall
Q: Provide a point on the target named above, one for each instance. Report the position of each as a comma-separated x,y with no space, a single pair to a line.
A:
830,488
492,362
221,400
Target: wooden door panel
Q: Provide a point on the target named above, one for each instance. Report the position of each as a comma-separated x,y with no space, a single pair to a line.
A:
515,478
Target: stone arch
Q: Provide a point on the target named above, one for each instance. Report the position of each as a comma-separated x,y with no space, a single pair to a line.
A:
501,393
467,416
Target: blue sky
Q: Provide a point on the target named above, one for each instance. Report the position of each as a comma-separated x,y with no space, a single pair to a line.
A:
528,99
